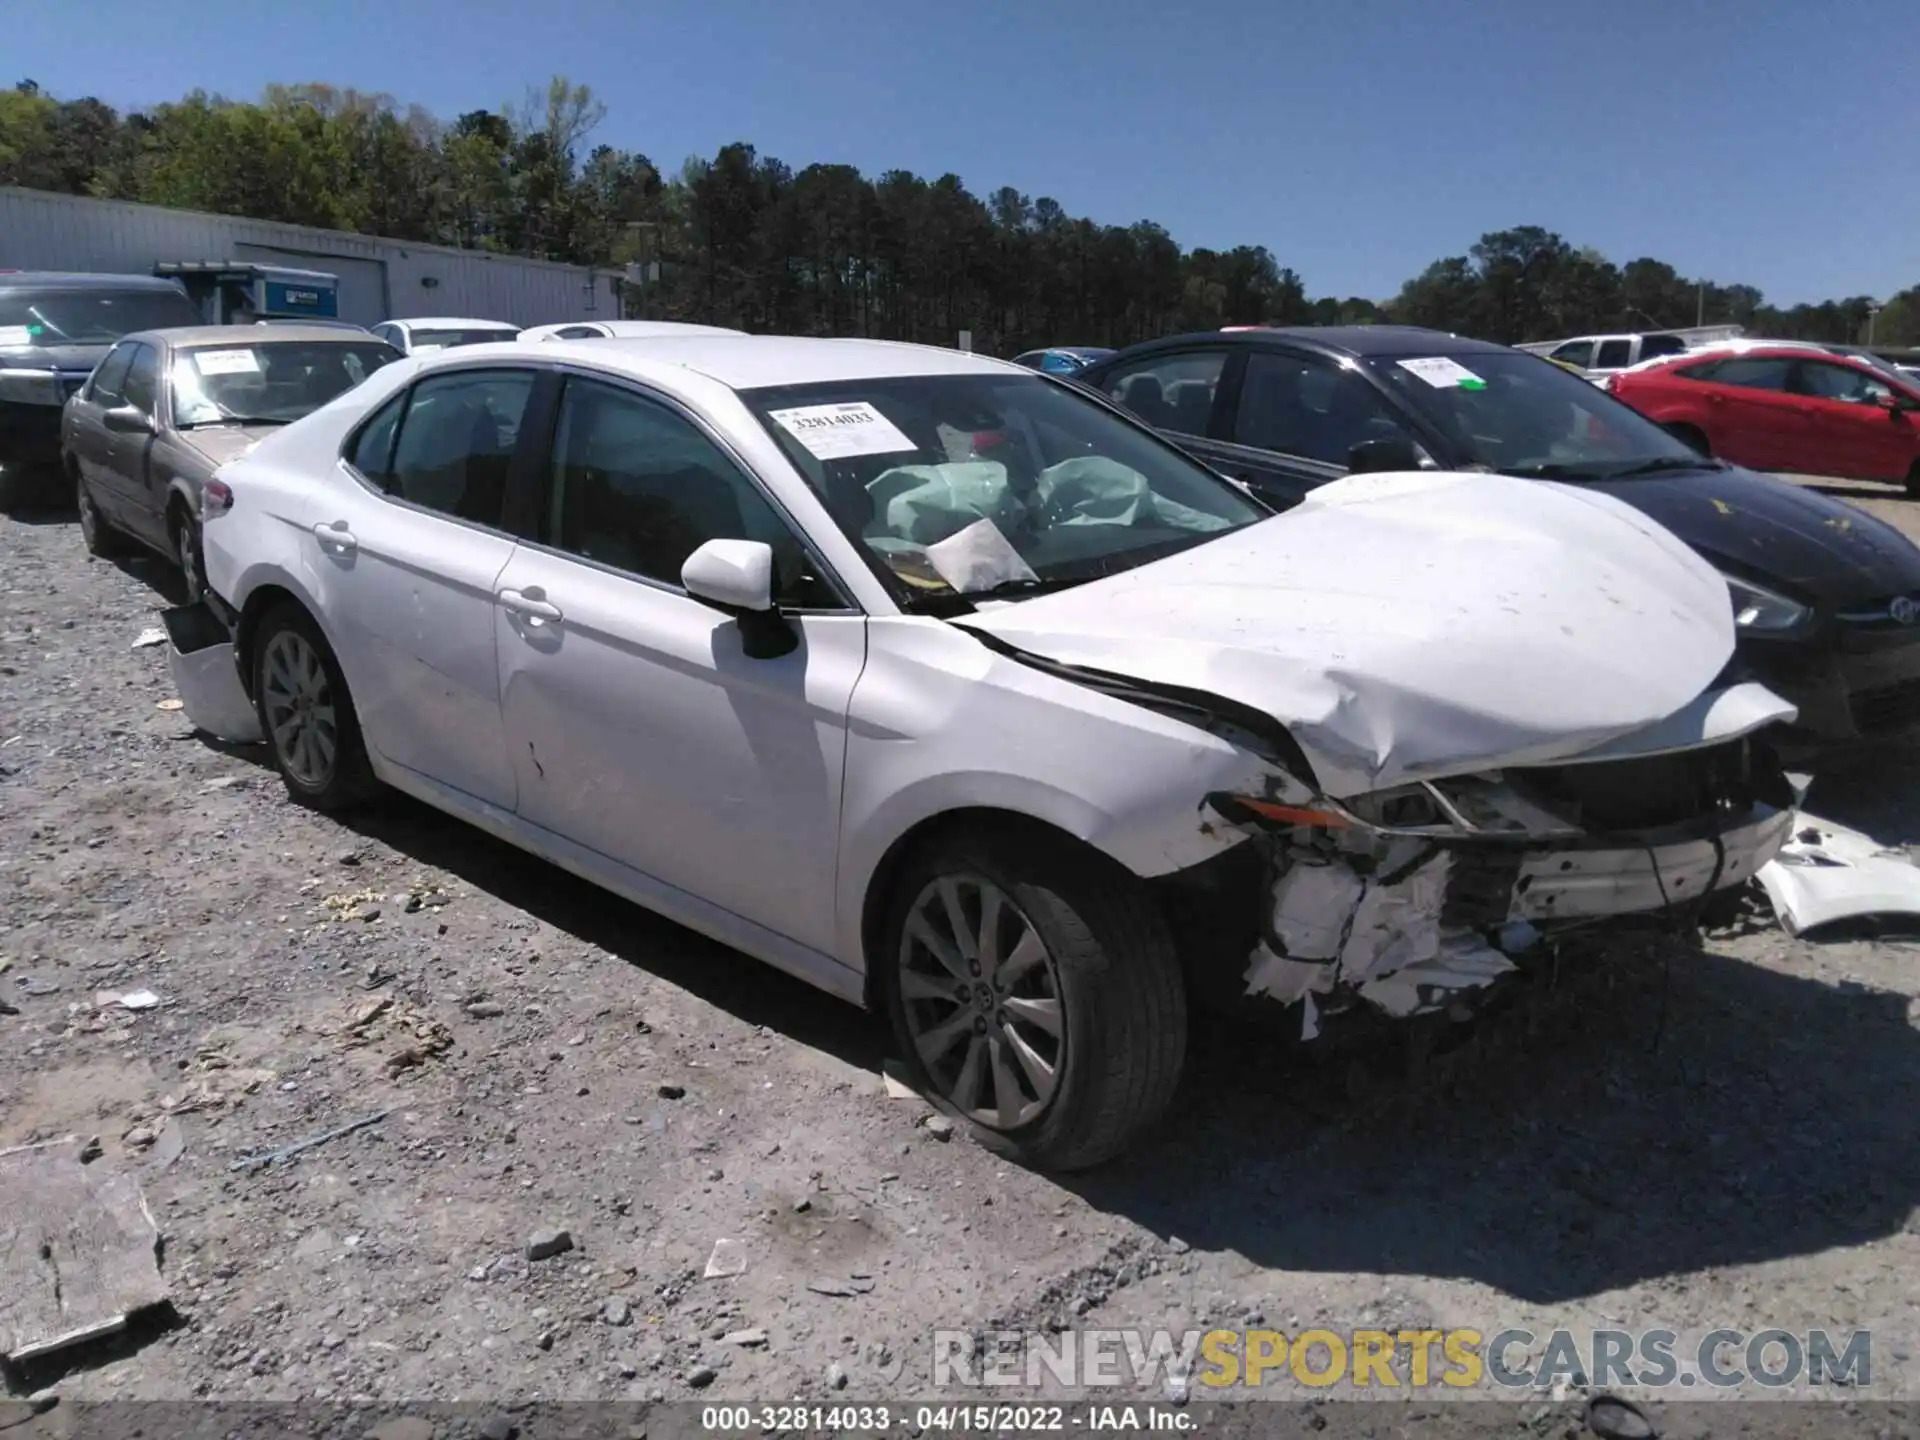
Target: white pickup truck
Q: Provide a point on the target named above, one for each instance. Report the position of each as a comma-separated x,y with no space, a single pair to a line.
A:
1598,356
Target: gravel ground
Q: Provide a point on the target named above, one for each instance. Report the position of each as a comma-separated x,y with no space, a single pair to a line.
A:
1672,1136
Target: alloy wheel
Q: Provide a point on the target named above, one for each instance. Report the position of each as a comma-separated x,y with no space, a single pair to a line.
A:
981,995
298,702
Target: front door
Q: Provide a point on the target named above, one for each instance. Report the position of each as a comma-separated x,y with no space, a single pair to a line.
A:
1752,418
129,464
1857,434
638,726
406,562
88,440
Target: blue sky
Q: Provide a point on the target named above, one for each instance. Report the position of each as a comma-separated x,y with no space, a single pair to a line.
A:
1764,141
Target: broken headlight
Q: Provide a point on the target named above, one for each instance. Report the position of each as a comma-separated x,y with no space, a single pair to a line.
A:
1484,806
1755,608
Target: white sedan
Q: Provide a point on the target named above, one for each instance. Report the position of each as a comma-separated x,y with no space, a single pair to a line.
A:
621,330
950,689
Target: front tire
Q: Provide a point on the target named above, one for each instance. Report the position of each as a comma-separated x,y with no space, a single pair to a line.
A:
307,715
1913,480
1036,995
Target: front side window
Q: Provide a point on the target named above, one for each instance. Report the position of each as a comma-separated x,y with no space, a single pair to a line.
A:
579,332
90,316
1306,405
1516,413
455,443
268,382
1840,382
142,384
636,486
1171,392
980,483
110,375
1575,352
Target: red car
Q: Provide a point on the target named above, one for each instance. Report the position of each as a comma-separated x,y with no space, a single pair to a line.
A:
1789,407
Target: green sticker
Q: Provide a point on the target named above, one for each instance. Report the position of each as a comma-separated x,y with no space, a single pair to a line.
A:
1473,384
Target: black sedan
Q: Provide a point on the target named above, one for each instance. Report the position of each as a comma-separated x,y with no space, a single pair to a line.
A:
1827,598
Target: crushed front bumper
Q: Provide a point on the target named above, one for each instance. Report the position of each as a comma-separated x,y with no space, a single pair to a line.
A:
1606,879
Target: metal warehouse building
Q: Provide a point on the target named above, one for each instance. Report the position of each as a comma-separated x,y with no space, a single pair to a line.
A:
379,279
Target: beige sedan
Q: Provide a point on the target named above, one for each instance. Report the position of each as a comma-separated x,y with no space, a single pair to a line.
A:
166,408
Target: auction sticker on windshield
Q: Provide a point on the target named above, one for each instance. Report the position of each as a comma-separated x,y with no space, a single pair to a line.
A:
1444,374
16,334
838,432
226,362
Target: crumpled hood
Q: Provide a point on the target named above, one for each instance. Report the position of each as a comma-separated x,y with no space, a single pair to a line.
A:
1413,625
221,443
1775,531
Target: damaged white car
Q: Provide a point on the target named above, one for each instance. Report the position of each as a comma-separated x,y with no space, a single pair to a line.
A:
952,690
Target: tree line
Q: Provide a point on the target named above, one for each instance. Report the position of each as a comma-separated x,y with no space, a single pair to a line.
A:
745,240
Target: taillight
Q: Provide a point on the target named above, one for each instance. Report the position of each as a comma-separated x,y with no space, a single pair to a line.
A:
216,498
1613,384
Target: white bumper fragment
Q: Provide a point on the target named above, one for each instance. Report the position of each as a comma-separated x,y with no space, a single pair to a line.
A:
1372,921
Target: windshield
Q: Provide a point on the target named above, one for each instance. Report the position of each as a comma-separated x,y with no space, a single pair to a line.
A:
447,339
974,484
269,382
1517,413
90,316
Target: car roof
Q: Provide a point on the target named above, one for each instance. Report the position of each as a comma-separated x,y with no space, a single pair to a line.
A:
83,280
1355,340
428,322
749,362
188,336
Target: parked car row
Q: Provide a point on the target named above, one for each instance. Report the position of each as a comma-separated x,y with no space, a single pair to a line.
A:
1320,668
1826,595
56,327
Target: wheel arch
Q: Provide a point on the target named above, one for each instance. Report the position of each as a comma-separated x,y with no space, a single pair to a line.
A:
260,596
929,831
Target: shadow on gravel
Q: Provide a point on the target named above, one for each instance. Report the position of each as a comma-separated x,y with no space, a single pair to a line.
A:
744,987
1560,1153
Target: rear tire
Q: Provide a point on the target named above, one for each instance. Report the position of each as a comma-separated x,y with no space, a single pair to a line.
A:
306,713
1057,1030
101,539
1691,436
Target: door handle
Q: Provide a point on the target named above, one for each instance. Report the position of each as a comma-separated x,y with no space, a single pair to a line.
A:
533,605
337,536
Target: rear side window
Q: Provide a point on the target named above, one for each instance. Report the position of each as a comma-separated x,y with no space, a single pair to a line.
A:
110,375
1171,392
578,332
456,443
1614,355
371,452
1652,346
1708,371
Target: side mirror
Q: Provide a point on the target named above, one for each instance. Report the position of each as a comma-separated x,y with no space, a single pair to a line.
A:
736,576
126,420
1391,452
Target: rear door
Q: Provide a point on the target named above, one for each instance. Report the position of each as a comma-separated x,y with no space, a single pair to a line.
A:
405,558
1852,430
